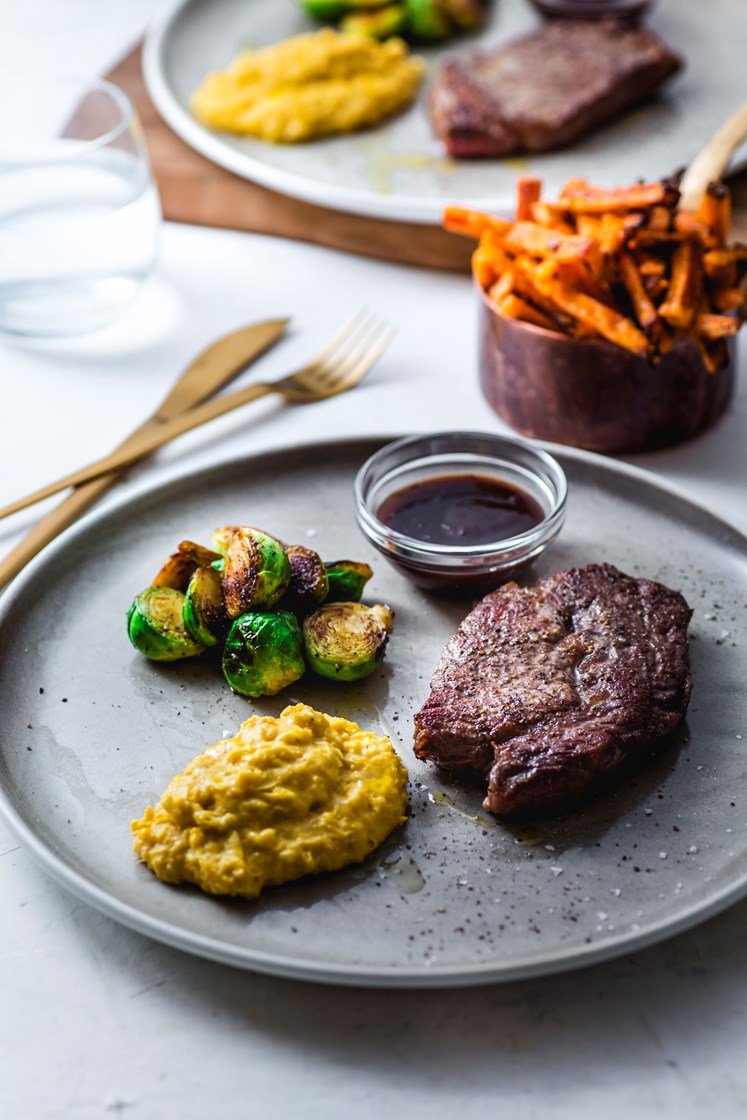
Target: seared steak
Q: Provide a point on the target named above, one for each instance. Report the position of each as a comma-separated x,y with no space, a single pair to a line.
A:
548,689
547,88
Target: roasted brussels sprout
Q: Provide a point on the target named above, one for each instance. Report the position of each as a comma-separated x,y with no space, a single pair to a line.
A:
308,583
155,626
466,14
178,569
326,9
204,613
256,572
346,641
263,653
346,579
379,24
427,20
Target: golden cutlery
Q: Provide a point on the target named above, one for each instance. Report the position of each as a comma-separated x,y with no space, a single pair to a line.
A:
340,366
711,162
210,371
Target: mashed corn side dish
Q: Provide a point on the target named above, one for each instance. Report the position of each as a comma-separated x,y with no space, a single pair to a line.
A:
283,798
308,86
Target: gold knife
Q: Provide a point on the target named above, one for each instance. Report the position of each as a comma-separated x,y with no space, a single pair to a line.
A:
210,371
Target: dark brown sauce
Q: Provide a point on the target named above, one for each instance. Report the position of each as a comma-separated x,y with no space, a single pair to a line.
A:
460,509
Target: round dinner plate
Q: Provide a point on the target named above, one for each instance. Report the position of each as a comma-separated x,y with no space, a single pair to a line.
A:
399,170
91,732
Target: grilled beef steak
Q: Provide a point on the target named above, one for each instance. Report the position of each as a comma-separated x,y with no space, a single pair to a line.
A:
548,689
547,88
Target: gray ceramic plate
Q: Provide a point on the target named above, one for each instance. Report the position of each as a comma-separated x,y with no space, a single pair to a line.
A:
399,171
90,732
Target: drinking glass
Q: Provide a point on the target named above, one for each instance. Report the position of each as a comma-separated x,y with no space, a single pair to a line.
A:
79,213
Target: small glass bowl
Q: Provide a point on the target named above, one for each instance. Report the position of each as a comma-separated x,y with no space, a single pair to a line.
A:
471,569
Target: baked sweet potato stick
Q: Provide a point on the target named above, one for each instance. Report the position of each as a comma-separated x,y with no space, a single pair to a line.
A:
472,223
715,210
528,191
583,199
528,237
645,312
685,286
518,308
716,326
545,214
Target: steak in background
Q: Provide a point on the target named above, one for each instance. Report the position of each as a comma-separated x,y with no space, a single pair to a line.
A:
547,690
545,89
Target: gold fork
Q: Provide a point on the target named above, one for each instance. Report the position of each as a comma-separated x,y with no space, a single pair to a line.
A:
340,366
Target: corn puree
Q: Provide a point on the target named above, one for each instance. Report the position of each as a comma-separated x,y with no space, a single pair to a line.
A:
309,85
283,798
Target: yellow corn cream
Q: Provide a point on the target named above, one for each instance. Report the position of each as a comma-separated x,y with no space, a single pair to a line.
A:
308,86
283,798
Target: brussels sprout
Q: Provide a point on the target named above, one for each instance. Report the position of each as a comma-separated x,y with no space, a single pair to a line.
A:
178,569
379,24
346,579
466,14
427,20
204,613
346,641
256,572
155,626
221,538
309,583
326,9
263,653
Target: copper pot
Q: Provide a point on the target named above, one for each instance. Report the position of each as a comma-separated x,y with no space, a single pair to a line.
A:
593,394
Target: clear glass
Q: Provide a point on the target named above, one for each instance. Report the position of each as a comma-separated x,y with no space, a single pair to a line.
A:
461,568
79,213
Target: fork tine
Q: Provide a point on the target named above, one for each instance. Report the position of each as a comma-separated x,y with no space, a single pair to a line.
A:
363,365
355,350
351,327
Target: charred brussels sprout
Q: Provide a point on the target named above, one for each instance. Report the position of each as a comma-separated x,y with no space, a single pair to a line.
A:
346,579
308,583
346,641
256,572
204,613
155,626
263,653
178,569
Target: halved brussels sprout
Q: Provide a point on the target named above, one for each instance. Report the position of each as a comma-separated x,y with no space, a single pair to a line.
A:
347,578
256,572
346,641
309,583
178,569
263,653
155,626
427,20
204,613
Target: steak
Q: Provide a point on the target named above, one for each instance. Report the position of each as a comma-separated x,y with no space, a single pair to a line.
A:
548,690
545,89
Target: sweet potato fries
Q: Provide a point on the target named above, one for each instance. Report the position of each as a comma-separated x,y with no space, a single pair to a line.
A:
621,264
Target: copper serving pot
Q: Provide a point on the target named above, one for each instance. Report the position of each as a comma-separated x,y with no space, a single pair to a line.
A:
593,394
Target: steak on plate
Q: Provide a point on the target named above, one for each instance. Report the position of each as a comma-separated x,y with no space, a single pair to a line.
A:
545,89
547,690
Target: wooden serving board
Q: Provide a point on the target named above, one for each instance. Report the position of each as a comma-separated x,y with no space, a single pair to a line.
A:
196,191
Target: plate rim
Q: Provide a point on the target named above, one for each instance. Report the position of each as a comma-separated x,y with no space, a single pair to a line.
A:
350,975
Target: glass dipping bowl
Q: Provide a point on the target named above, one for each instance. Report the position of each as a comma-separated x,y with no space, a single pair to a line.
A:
471,568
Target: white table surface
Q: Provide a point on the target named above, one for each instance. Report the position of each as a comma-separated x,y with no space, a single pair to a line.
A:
96,1020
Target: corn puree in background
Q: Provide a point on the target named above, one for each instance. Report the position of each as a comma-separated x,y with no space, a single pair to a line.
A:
283,798
308,86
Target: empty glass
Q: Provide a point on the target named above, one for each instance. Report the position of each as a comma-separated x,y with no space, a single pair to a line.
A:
79,214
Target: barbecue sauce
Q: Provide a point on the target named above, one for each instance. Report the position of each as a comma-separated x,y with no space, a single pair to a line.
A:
460,509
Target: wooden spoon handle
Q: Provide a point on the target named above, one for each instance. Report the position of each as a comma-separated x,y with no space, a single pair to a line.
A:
712,161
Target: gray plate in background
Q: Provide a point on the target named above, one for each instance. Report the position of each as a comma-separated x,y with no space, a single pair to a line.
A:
90,732
398,170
